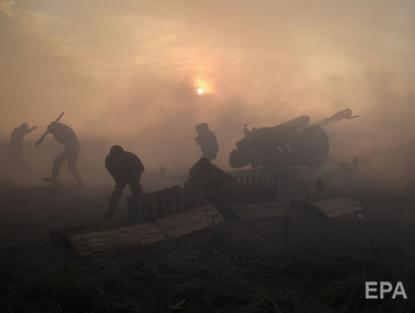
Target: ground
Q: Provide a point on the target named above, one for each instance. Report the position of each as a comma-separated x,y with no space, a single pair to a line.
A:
312,264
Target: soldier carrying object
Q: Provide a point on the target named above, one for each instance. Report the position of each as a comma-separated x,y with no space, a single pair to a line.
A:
66,136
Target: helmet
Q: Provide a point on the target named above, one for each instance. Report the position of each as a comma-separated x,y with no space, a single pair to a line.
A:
116,150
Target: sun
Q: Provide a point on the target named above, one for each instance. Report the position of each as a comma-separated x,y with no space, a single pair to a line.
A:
200,91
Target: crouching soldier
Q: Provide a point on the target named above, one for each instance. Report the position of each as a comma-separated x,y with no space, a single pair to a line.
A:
126,169
206,182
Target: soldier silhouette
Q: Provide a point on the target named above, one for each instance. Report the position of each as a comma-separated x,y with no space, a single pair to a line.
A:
126,169
206,180
16,145
66,136
206,139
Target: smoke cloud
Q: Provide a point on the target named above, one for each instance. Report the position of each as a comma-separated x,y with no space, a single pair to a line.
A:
126,71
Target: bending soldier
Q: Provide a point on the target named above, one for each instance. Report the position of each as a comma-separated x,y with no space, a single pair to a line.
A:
66,136
206,139
206,180
16,145
126,169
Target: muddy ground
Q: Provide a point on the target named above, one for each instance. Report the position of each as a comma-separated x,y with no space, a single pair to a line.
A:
313,265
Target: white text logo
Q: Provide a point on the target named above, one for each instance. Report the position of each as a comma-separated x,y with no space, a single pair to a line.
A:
383,289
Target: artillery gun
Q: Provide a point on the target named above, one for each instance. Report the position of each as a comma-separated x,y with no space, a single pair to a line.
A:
293,143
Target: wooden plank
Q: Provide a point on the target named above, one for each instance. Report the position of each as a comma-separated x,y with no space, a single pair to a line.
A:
338,206
161,205
259,211
136,235
188,222
144,210
274,188
153,206
172,192
181,201
262,195
130,235
94,239
147,228
249,190
166,205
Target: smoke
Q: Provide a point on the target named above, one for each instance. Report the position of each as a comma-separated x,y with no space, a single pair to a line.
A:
126,71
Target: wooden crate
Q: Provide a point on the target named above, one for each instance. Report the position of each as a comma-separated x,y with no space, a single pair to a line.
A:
90,240
189,222
336,207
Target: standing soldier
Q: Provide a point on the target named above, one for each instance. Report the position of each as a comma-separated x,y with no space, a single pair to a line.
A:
206,139
16,145
66,136
126,169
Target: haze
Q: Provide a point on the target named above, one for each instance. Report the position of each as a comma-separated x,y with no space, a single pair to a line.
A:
128,71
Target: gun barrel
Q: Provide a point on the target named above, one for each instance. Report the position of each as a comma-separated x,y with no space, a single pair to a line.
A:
338,116
298,122
41,138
